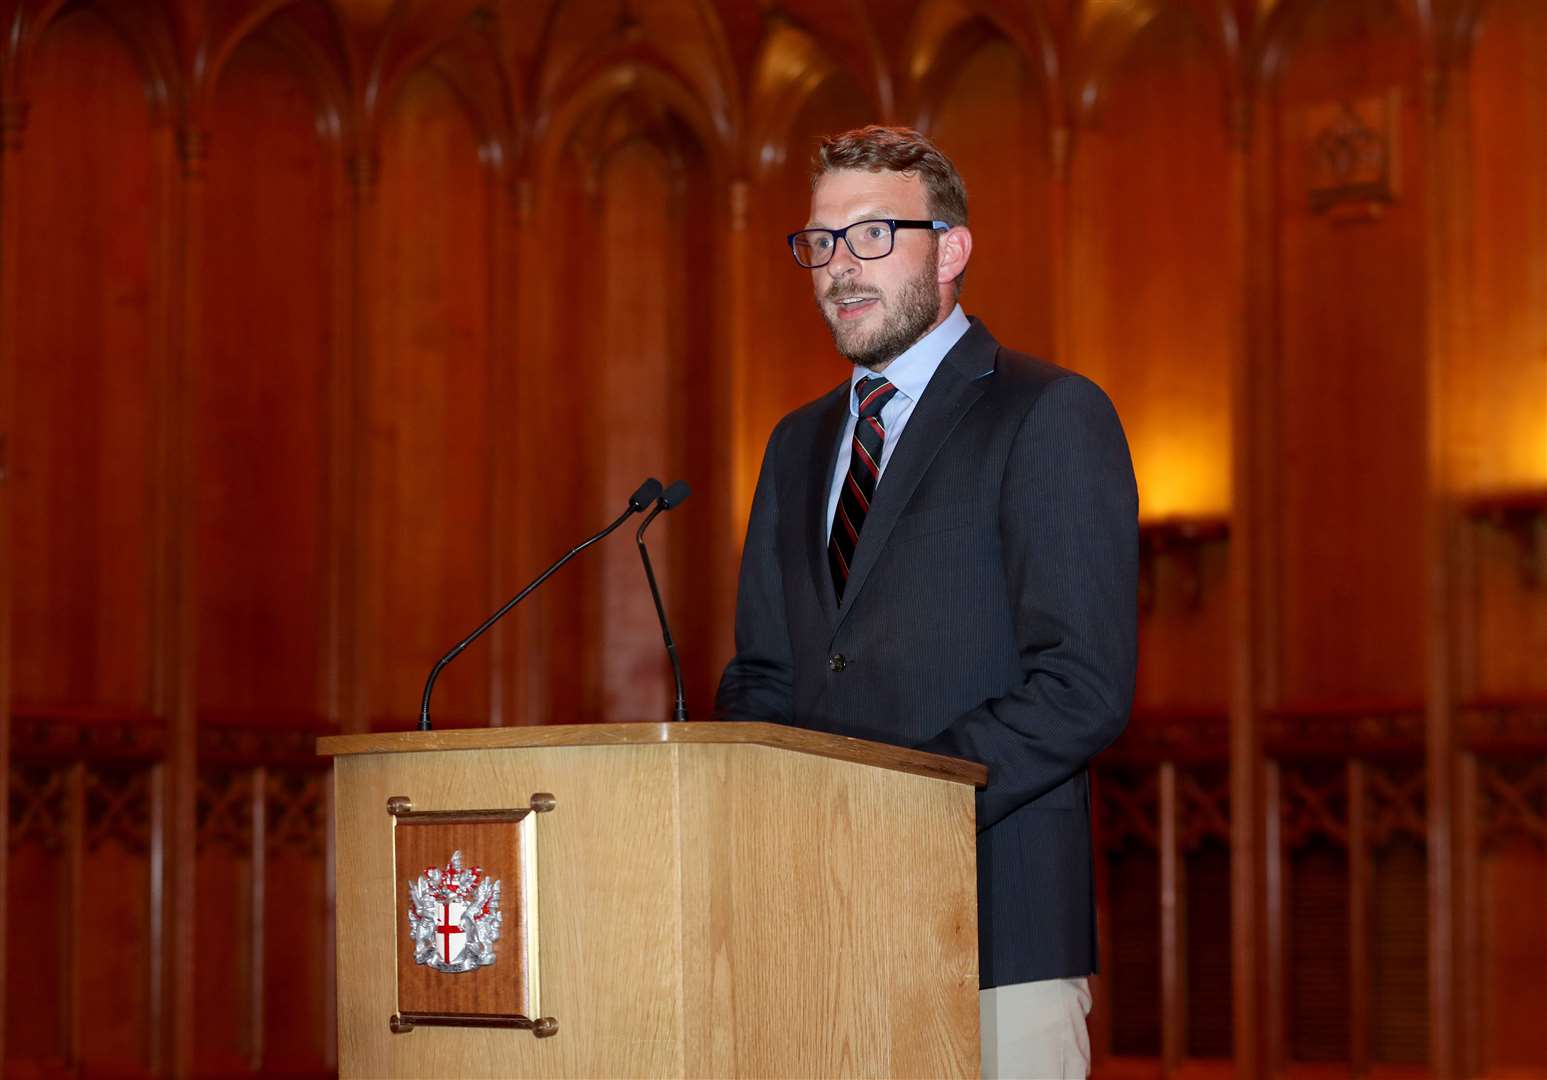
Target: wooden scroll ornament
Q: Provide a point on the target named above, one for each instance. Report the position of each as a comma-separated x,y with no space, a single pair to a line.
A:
466,884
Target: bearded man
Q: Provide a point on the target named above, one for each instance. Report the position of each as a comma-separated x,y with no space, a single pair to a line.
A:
943,554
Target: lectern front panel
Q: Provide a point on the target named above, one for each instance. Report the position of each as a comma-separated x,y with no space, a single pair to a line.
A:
703,908
608,917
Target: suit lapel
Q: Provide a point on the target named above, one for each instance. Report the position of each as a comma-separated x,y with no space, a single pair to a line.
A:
824,460
950,393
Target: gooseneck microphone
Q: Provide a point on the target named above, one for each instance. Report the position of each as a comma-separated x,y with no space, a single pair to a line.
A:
672,497
649,492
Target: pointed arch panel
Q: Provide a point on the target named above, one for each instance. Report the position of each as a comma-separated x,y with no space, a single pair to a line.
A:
271,329
269,332
991,121
83,541
1349,327
84,438
1152,300
632,198
426,532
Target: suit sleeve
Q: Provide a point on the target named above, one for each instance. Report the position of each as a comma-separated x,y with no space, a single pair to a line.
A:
758,682
1069,526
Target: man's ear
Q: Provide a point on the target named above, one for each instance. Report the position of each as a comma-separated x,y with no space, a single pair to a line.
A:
955,250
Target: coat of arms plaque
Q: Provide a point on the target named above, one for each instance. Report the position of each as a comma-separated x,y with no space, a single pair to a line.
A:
466,886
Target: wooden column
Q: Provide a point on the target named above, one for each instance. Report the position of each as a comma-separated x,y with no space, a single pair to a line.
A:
533,332
747,447
341,675
257,808
13,118
1468,859
1269,964
505,487
1061,224
1173,988
1448,259
707,624
166,236
74,874
330,960
1360,878
174,689
1251,530
158,832
350,441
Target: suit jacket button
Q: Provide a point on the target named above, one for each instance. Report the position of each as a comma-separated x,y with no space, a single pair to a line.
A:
838,661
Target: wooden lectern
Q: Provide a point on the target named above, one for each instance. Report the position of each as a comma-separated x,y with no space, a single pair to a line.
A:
698,899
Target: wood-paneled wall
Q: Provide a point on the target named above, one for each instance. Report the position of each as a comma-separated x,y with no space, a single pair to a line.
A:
324,326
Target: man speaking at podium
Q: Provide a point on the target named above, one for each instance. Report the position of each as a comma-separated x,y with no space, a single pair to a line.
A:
943,554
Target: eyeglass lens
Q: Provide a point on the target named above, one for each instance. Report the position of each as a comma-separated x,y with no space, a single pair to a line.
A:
866,239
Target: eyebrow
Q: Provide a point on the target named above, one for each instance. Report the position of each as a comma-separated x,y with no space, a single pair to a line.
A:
881,213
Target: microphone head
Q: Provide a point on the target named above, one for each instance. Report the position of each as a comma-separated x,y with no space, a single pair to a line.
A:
648,492
675,495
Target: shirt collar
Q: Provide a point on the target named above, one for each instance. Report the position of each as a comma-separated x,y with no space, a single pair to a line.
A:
911,371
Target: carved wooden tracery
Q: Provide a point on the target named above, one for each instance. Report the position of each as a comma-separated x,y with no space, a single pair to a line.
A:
1396,795
717,86
1513,799
1203,807
223,811
39,798
118,807
1128,809
298,809
1315,804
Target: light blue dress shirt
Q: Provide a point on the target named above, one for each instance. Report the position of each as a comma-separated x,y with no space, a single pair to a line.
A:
910,373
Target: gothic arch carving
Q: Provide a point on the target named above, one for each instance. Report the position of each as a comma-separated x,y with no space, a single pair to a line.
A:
1279,32
1108,37
151,42
645,89
482,86
946,33
308,34
792,65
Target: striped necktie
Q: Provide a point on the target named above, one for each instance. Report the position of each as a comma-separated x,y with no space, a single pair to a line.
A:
859,485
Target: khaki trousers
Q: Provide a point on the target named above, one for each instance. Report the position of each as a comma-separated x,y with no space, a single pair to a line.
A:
1035,1030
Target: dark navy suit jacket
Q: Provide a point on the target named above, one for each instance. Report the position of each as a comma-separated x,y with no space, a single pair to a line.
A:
990,614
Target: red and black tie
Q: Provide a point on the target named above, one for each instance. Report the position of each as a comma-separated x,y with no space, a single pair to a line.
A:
859,486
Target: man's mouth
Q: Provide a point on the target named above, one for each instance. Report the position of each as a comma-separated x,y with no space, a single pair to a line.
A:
852,307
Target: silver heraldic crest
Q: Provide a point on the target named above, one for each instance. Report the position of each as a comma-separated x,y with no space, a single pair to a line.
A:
454,917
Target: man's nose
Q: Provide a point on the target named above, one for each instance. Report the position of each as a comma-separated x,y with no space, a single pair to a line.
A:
843,263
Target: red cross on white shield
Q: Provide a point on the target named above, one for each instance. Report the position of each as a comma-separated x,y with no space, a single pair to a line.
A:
450,939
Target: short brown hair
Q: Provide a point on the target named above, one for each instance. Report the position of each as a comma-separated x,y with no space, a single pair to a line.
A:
897,149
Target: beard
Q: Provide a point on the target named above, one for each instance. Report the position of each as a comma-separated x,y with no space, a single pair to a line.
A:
905,317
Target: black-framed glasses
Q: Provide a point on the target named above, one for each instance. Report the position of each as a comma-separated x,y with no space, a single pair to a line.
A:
866,239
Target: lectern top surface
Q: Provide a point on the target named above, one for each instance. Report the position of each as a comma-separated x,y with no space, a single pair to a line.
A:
779,736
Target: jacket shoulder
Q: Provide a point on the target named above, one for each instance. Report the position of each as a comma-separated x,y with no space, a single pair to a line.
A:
1016,380
813,412
1024,370
1022,380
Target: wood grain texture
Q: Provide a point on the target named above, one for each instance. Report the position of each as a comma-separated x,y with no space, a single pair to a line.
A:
1337,343
496,848
706,910
261,395
1009,175
424,542
262,459
829,918
605,888
839,747
80,450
